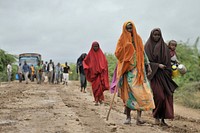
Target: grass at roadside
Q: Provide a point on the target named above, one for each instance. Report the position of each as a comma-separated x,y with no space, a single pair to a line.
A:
189,95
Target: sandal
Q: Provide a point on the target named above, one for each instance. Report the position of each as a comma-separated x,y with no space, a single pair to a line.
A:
157,122
96,104
127,121
163,124
139,122
100,102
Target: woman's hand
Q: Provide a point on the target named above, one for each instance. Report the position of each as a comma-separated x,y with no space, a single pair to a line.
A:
161,66
149,69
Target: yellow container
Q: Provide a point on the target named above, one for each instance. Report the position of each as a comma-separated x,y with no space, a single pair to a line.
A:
175,73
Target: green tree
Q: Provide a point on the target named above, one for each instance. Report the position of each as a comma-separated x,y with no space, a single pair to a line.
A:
6,58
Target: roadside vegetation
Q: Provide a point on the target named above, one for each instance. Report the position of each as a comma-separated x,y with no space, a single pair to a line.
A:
6,58
188,93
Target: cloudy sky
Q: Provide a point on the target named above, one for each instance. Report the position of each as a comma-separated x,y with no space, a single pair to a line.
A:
63,29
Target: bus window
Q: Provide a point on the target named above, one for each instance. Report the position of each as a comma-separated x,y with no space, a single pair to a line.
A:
30,58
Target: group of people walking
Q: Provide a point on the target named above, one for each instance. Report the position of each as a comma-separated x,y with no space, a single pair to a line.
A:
53,73
143,74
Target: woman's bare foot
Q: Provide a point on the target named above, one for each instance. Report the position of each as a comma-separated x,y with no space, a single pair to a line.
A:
163,123
157,121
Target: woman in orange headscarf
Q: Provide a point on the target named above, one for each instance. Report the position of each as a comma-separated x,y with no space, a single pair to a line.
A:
133,85
96,71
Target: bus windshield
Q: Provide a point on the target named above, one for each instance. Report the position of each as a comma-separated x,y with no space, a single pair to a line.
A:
30,58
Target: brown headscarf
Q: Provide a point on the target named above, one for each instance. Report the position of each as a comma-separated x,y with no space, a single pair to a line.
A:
124,53
157,52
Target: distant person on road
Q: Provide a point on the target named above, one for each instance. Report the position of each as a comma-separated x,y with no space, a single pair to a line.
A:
80,70
61,74
26,70
66,70
53,79
43,70
133,86
50,69
161,77
19,71
9,72
32,73
96,71
45,66
57,73
39,71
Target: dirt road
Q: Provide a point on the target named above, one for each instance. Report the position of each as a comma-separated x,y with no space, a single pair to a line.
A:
33,108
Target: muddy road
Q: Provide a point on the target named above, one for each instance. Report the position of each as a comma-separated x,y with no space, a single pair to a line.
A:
33,108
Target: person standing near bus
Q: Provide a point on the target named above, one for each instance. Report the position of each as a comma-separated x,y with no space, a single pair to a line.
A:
50,67
26,69
9,72
19,71
32,71
43,70
39,73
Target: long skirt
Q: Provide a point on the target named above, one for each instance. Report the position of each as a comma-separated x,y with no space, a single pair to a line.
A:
163,101
136,97
97,89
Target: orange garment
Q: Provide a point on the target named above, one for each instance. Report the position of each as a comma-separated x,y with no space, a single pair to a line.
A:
134,87
124,53
32,70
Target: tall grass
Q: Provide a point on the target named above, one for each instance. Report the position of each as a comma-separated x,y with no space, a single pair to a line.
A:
189,95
